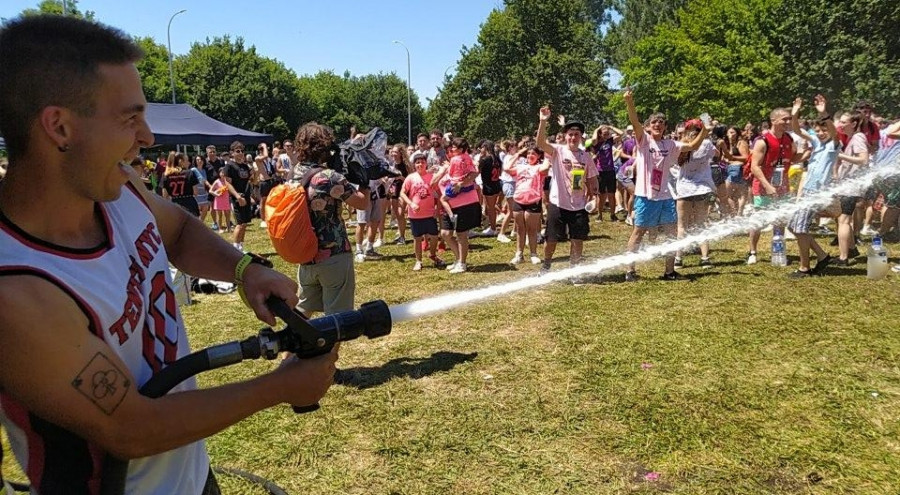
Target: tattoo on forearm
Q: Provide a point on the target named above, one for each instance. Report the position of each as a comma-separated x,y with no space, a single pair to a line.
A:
103,383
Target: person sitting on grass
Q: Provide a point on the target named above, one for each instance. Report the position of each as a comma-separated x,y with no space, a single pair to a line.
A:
420,198
653,204
818,176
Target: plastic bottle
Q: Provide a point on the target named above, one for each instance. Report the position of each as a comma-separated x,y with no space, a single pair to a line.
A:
877,260
779,256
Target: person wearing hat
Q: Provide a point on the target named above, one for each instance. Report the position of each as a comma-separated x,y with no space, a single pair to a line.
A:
574,180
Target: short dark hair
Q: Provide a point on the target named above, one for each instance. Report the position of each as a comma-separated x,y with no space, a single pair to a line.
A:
53,60
313,142
421,134
235,145
436,131
460,144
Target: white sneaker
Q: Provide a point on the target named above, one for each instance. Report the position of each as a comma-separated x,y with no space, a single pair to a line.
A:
263,224
489,232
751,260
360,257
417,266
629,222
516,259
452,266
512,235
895,268
459,268
535,259
377,244
867,230
788,235
502,238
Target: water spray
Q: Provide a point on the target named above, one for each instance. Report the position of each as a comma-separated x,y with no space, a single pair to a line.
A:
887,165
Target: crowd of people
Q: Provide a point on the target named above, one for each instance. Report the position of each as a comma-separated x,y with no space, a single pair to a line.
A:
536,190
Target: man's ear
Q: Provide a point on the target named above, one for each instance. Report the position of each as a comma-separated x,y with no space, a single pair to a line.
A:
56,123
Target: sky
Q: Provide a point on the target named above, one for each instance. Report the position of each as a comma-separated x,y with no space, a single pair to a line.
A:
311,36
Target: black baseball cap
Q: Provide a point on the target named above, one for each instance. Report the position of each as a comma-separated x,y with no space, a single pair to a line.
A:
574,124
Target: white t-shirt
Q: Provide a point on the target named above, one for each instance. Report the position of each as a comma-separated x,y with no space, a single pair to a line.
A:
653,163
568,189
695,176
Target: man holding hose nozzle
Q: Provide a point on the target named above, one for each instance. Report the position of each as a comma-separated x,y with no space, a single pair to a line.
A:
89,313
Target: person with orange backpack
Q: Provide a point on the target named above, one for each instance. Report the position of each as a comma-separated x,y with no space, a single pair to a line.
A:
767,169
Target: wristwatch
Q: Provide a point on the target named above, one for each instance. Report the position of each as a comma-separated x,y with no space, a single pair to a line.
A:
246,260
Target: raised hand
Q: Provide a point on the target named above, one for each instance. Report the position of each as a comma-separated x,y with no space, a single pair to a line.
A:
821,103
798,104
545,113
561,120
628,95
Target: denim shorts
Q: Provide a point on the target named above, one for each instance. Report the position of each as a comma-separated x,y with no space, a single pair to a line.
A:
735,174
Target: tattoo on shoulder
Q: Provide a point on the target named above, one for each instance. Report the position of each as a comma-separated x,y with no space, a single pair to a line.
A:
103,383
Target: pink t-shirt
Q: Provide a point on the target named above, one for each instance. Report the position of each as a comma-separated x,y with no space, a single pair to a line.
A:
529,183
652,165
855,147
421,193
460,166
568,189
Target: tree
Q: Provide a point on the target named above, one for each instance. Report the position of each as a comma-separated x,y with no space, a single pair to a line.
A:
56,7
716,57
530,53
154,71
636,19
234,84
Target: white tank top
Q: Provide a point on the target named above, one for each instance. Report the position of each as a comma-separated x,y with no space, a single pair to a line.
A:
125,290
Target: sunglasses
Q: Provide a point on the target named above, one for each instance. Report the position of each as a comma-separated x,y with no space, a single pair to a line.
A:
238,150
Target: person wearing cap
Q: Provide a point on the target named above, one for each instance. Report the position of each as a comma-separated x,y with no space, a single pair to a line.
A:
420,198
574,179
654,156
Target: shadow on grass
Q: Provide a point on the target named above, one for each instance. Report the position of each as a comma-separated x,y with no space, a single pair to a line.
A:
839,271
492,268
415,368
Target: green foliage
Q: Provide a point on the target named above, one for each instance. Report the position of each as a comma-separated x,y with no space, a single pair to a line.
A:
154,70
531,53
715,59
236,85
847,50
56,7
342,102
636,19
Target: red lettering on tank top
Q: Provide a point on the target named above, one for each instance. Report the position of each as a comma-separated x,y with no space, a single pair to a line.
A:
134,304
148,244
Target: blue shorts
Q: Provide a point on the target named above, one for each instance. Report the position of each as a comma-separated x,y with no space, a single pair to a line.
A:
649,213
735,174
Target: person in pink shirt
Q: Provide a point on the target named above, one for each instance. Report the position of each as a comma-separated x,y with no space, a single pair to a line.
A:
459,194
573,181
654,206
526,200
420,198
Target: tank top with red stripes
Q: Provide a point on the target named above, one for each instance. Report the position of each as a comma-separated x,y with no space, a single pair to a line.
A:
124,288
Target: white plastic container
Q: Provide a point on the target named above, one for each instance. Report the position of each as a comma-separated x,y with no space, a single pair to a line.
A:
877,266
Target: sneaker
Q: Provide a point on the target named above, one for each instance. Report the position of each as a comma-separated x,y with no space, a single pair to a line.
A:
868,231
834,242
371,254
393,224
488,232
800,274
789,236
705,263
824,230
535,259
629,222
360,257
854,252
512,235
895,268
263,224
452,266
459,268
400,241
821,265
438,263
418,266
844,262
502,238
516,259
671,276
631,276
215,227
377,244
545,267
678,263
751,259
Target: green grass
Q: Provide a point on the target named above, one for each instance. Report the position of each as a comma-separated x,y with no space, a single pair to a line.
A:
756,384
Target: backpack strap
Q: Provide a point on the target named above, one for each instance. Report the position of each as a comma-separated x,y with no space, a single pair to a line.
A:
307,177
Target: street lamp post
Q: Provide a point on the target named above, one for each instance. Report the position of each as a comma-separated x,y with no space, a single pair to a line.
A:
408,93
169,37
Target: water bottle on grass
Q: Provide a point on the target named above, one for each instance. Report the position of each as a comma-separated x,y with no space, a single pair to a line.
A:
779,256
877,260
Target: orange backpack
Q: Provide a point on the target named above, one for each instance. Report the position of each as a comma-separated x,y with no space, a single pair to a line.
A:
289,220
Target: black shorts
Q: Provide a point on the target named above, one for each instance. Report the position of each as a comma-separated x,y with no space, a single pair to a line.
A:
393,191
698,198
189,204
718,175
607,182
492,188
532,208
242,214
559,219
547,183
265,187
468,217
848,204
423,226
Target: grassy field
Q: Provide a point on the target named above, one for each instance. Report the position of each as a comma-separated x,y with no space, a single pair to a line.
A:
736,381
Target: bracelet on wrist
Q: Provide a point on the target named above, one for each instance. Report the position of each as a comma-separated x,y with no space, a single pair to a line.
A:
246,260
